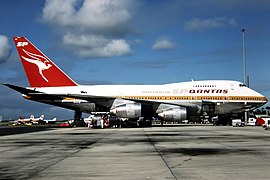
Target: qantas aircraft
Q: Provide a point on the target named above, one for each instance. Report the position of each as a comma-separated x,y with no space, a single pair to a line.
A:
175,101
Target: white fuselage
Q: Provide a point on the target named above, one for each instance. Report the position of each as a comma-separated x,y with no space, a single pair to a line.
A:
228,96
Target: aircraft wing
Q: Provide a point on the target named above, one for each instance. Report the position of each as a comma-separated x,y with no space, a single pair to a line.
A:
156,102
100,100
107,101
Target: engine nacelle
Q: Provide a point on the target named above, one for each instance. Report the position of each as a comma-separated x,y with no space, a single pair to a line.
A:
127,110
174,113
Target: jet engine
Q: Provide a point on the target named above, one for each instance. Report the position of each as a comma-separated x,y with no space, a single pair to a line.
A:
126,109
175,113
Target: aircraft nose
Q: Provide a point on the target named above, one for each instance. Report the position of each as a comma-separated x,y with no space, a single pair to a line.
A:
265,99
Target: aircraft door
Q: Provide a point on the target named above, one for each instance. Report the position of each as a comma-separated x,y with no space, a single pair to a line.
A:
232,86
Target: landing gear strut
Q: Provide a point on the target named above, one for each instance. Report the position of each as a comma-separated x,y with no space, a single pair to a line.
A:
77,117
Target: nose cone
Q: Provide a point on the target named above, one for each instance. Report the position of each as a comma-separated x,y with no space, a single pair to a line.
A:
262,100
253,99
265,100
256,96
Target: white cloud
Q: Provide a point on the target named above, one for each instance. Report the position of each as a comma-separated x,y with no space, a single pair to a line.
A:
94,27
163,44
5,48
92,15
197,24
97,46
59,12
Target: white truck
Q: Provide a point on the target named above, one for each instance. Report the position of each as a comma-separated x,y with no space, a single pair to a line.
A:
237,123
251,121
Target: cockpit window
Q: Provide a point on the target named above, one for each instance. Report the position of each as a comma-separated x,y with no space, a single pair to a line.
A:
242,85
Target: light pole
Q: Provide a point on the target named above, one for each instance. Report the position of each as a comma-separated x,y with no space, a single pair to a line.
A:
245,68
244,57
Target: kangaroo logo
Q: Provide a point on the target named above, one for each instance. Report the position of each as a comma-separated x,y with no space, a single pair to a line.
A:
41,62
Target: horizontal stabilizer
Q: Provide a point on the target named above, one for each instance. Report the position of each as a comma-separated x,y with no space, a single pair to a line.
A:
22,90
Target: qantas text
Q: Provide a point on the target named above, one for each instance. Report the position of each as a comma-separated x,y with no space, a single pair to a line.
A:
188,91
200,91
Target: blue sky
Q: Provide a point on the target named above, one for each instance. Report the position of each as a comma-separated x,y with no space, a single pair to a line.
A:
134,42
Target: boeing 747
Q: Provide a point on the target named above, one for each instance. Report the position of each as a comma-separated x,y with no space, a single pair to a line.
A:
175,101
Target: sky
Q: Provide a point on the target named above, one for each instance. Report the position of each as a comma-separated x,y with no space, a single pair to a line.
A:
134,42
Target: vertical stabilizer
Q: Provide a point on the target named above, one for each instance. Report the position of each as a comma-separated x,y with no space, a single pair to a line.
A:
40,70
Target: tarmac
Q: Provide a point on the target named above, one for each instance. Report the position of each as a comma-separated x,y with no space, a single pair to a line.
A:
175,152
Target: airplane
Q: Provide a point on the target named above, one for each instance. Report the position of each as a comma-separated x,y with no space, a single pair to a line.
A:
49,121
36,120
31,120
169,102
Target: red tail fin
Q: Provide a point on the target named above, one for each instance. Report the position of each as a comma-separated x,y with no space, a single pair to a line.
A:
40,70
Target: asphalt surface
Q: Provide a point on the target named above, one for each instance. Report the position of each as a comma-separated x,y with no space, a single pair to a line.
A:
177,152
9,130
